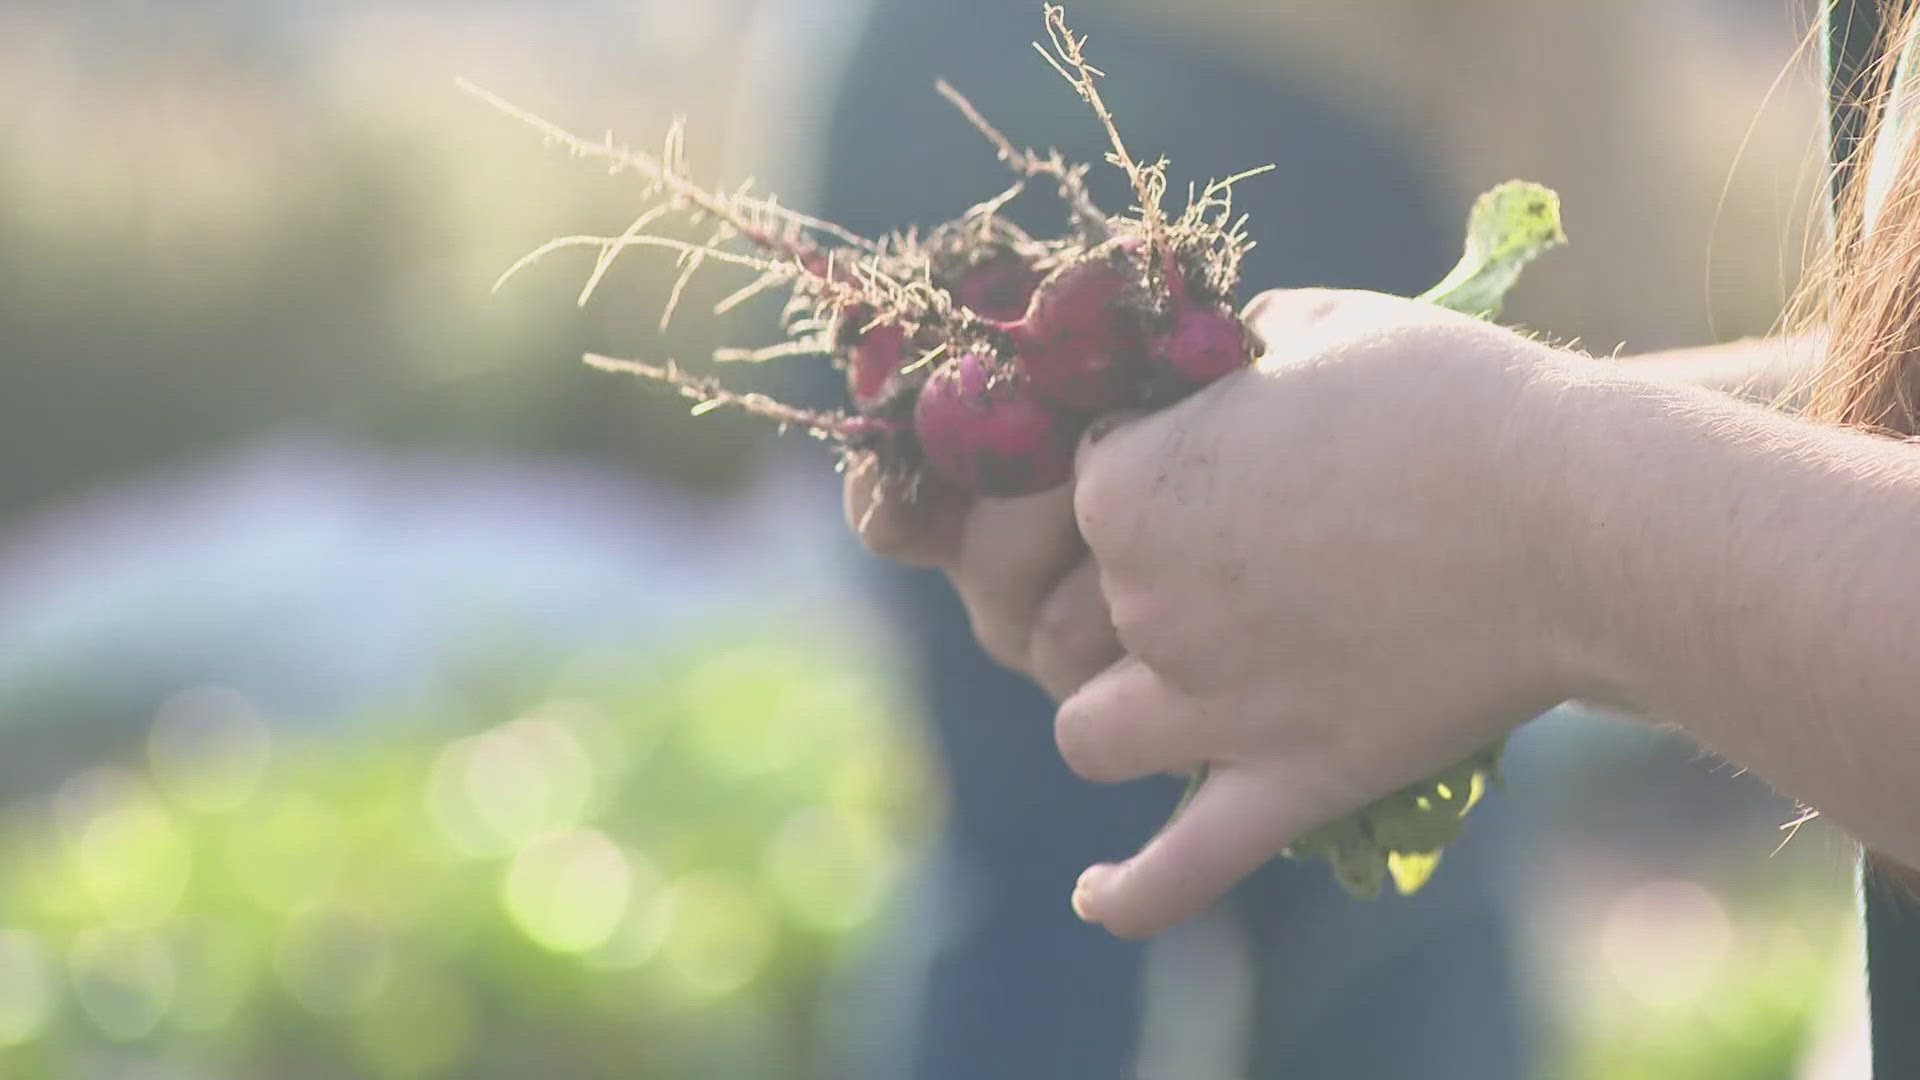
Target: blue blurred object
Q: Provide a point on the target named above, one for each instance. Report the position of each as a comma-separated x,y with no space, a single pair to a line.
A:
315,576
1014,986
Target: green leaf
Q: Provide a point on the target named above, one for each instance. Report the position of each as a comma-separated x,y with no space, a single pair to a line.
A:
1411,871
1360,867
1508,227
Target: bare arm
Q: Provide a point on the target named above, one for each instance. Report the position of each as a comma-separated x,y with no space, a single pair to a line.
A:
1407,532
1754,579
1757,369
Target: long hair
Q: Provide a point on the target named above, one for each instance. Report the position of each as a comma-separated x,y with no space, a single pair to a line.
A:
1867,291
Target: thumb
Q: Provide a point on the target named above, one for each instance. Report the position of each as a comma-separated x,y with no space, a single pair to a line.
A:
1240,818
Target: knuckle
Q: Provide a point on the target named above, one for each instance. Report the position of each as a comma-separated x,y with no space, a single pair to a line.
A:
1298,307
1300,324
1101,507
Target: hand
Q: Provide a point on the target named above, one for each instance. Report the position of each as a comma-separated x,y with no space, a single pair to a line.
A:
1332,576
1405,532
1019,566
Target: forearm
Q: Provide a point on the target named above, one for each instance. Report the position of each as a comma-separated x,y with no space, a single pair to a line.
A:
1758,369
1753,579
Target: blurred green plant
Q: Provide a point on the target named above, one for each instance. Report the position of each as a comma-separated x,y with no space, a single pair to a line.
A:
652,872
196,251
1693,984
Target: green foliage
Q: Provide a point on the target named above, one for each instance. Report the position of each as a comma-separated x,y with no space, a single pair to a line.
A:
1509,226
650,871
1402,835
1750,1012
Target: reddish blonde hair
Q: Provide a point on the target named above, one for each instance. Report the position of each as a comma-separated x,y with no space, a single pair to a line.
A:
1867,293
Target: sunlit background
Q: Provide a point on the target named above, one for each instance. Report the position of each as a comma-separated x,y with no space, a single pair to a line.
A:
383,694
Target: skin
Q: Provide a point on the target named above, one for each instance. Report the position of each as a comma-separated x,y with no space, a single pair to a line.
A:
1405,532
1764,370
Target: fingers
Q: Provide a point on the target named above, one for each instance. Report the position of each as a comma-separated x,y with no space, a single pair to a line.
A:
1127,723
1238,820
1011,553
1072,639
1005,557
915,521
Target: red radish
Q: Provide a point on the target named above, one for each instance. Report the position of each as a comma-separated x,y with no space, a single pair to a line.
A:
1200,343
873,358
980,424
1080,341
999,286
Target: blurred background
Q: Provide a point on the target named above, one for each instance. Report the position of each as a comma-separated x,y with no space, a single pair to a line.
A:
384,694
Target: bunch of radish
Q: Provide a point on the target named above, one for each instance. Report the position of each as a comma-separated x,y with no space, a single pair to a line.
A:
979,354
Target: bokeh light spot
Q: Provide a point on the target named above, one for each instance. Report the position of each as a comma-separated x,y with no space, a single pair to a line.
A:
1665,941
494,792
288,855
643,926
218,964
333,959
719,936
605,749
569,892
831,872
26,987
208,749
130,857
747,719
123,980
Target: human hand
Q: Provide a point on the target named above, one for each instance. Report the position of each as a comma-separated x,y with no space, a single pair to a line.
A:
1319,634
1333,575
1019,565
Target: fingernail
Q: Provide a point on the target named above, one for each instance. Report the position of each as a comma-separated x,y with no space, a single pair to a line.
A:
1083,889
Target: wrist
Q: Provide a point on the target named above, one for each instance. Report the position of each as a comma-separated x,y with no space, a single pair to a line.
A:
1662,508
1567,425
